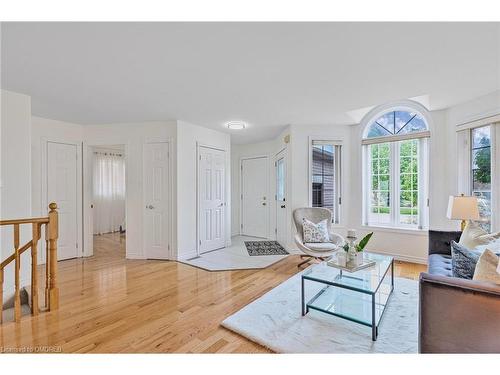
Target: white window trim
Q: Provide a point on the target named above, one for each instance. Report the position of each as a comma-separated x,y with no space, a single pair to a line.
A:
423,209
423,220
338,161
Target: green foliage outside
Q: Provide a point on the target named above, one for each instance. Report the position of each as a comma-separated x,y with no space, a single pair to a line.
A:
482,160
408,177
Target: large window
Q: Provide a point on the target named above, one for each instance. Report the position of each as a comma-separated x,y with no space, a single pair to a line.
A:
325,176
481,172
395,165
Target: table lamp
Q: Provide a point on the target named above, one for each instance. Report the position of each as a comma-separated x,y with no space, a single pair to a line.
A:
462,208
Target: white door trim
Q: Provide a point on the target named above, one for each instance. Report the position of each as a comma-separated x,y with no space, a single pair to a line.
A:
283,153
240,192
44,143
88,232
198,206
171,252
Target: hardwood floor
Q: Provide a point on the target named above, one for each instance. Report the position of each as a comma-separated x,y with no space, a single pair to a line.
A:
109,304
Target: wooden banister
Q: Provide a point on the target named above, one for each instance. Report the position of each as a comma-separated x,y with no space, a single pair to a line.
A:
51,236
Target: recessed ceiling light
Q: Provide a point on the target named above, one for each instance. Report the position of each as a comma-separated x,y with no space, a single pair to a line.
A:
236,125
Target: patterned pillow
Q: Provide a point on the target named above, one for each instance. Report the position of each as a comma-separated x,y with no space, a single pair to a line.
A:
315,232
463,261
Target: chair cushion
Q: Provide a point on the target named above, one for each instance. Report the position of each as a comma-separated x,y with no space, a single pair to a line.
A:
320,246
440,265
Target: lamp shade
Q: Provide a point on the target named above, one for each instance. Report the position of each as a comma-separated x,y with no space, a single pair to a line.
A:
462,208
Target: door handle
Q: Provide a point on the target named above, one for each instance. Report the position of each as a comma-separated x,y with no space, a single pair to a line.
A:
283,206
263,203
222,204
150,207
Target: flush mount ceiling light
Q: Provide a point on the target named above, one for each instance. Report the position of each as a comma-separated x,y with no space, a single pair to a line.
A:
236,125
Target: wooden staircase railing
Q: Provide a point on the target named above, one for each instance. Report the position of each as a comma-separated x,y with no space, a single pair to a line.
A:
51,289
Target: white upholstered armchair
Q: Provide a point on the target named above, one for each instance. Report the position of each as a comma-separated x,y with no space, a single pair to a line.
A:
320,250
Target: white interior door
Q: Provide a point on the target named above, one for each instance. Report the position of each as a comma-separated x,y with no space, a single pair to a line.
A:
211,198
62,188
156,205
254,199
281,220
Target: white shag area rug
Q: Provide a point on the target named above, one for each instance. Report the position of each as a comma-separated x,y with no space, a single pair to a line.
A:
275,321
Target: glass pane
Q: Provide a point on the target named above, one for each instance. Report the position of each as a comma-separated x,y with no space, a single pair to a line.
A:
280,177
396,122
484,205
481,173
387,122
408,182
323,168
481,137
380,208
402,119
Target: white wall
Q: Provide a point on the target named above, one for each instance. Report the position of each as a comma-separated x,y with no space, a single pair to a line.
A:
188,136
15,178
133,136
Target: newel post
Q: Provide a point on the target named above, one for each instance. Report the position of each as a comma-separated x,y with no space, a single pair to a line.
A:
53,234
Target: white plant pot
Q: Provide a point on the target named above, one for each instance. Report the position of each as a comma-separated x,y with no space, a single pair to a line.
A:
342,258
358,258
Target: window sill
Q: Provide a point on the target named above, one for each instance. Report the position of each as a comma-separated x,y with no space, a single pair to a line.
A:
414,232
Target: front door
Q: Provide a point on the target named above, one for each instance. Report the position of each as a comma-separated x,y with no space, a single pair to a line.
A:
254,202
62,189
156,195
281,220
211,198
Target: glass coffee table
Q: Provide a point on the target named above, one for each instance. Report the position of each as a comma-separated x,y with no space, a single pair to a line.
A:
360,296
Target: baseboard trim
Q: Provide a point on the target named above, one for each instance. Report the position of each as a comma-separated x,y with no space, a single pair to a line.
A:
403,258
188,255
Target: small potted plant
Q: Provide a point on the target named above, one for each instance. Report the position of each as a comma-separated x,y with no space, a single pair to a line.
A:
358,256
355,250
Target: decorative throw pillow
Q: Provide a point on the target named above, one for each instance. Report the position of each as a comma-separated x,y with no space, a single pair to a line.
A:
463,261
315,232
487,268
473,235
493,246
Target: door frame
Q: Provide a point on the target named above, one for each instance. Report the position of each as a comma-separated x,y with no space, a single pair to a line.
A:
88,231
44,144
282,154
198,198
240,192
170,248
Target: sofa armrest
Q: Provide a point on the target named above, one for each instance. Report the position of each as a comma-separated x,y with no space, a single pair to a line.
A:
458,315
440,241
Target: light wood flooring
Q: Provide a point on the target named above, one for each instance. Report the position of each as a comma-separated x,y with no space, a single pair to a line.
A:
109,304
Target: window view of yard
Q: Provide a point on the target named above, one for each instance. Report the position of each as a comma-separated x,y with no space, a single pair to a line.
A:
380,211
481,173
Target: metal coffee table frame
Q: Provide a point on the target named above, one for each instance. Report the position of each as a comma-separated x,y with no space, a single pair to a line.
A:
373,325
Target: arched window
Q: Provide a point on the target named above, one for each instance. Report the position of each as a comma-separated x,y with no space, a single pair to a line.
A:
395,165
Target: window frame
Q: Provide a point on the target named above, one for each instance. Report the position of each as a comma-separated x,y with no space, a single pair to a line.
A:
394,142
471,169
337,144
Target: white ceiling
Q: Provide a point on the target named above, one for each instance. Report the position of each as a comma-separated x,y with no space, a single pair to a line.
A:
268,74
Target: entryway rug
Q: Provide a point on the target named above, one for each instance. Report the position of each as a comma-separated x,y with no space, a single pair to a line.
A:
256,248
275,321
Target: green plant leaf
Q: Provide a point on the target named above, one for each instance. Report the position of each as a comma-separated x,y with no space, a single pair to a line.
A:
362,244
